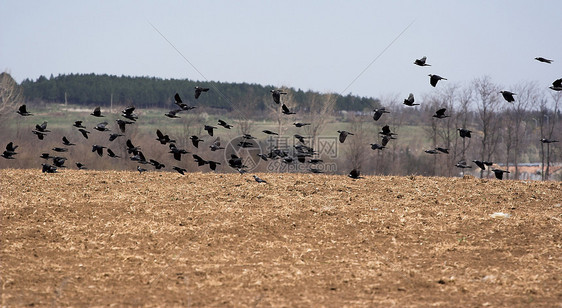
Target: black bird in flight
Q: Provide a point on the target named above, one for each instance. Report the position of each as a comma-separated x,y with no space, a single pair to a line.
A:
10,147
209,129
98,149
22,110
111,154
176,151
464,132
59,161
130,147
410,100
248,136
141,170
128,113
386,139
157,165
431,151
181,104
199,90
482,164
379,112
276,94
433,79
97,112
163,139
114,136
46,156
354,174
199,160
66,142
102,127
80,166
385,131
267,131
440,114
48,168
213,164
285,110
60,150
557,85
545,140
180,170
224,124
462,164
84,132
262,156
195,141
172,114
216,145
508,96
40,135
343,135
78,124
138,156
376,146
544,60
421,62
122,123
299,137
298,124
42,128
235,162
499,173
259,180
8,154
442,150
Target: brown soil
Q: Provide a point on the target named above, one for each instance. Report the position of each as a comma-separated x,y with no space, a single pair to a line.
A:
161,239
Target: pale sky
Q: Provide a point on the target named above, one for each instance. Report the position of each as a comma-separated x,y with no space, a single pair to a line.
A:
318,45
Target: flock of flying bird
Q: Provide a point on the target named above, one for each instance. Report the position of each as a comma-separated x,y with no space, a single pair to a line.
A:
302,151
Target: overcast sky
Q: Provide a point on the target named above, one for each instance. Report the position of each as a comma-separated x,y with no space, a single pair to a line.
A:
318,45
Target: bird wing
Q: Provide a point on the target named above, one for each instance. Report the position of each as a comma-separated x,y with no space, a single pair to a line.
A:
557,83
285,108
177,98
441,111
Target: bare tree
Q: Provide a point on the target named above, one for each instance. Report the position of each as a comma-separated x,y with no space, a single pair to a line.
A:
527,94
11,94
320,110
487,103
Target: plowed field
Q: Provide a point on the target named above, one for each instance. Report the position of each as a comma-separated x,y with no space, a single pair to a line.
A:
93,238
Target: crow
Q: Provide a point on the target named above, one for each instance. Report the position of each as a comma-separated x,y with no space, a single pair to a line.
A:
557,85
209,129
508,96
245,144
259,180
544,60
440,114
299,137
442,150
101,127
354,174
138,156
40,135
111,154
128,113
343,135
10,147
98,149
376,146
46,156
267,131
8,154
78,124
141,170
379,112
66,142
482,164
385,131
433,79
180,170
60,150
421,62
285,110
199,90
235,162
22,110
262,156
431,151
224,124
48,168
122,123
199,160
42,128
410,100
130,147
156,164
114,136
195,140
97,112
386,139
213,164
80,166
176,151
298,124
248,136
499,173
276,94
59,161
315,161
545,140
288,159
84,132
462,164
163,138
216,145
172,114
464,132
